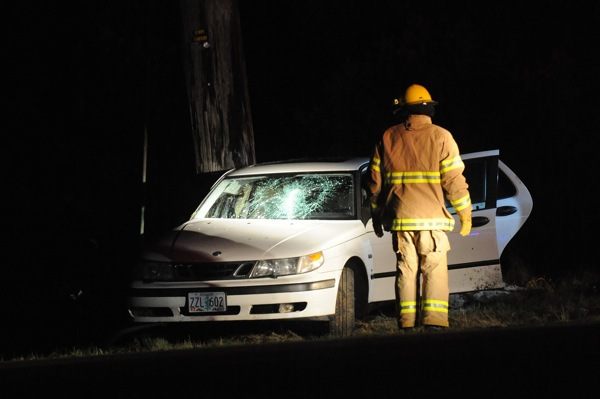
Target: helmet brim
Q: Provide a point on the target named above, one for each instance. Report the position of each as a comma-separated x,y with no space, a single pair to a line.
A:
399,107
420,103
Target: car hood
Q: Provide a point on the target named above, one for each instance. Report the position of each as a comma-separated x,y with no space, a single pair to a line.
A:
228,240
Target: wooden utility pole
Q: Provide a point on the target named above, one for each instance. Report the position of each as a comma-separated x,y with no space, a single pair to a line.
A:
216,83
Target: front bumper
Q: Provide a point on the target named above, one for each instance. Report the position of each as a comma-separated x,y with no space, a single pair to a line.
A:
269,300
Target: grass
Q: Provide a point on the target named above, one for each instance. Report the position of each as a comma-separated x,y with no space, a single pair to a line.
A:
540,301
536,302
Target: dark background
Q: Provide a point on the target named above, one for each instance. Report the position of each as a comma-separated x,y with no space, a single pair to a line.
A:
87,79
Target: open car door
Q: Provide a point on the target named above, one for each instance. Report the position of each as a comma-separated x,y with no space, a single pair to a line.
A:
474,260
501,204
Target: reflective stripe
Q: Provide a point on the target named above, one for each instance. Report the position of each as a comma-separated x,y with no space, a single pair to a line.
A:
435,305
375,164
422,224
408,307
450,164
436,302
412,177
430,308
461,203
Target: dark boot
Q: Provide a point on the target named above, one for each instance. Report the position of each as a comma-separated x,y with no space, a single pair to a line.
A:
434,328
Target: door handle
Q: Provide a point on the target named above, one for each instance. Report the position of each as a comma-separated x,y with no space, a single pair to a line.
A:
478,221
506,210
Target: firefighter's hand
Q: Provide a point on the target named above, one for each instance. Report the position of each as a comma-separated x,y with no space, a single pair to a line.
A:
465,227
378,229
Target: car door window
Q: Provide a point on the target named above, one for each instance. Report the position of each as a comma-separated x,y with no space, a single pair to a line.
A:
482,177
365,205
506,188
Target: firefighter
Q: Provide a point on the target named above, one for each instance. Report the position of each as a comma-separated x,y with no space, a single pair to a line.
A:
415,166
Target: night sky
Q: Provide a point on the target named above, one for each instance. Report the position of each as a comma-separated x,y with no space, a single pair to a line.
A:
86,78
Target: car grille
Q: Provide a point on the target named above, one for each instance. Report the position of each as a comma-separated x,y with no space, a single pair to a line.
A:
231,310
211,271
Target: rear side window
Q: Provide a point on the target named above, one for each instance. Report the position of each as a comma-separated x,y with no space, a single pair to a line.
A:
475,173
506,188
481,175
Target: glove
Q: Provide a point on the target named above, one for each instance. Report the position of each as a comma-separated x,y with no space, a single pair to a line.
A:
465,227
377,227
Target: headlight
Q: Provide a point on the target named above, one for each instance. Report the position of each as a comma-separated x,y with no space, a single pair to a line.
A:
287,266
154,271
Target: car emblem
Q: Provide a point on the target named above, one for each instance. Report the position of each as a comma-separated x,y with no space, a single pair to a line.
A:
217,253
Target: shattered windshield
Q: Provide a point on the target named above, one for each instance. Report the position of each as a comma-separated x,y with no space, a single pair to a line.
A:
302,196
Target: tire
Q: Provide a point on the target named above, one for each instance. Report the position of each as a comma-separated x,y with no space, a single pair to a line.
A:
342,323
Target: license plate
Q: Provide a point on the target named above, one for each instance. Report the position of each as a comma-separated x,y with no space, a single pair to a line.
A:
207,302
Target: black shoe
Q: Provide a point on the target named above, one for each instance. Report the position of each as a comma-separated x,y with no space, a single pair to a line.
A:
405,329
434,328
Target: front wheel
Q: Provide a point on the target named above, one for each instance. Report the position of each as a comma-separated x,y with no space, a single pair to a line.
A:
342,323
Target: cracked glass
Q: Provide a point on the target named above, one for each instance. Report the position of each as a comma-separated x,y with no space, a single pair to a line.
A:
301,196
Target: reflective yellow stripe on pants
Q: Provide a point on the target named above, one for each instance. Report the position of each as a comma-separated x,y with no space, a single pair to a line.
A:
434,305
408,307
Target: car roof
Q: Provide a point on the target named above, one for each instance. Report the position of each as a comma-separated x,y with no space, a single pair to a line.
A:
303,165
330,164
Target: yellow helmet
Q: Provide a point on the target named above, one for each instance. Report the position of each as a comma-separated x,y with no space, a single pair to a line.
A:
414,95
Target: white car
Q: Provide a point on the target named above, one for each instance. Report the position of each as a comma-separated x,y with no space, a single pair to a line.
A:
291,240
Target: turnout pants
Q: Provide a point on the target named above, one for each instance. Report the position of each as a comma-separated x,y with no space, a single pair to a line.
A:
422,299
